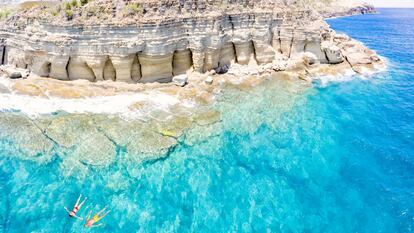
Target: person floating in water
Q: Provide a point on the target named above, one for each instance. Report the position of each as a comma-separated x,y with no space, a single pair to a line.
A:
96,218
76,208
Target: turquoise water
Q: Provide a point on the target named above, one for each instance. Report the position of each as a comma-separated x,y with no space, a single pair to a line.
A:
336,158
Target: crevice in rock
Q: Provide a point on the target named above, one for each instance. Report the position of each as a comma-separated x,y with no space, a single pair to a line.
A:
231,22
234,52
326,56
3,55
90,70
42,68
291,44
280,42
254,51
346,59
136,73
167,154
102,131
43,131
66,68
48,68
109,71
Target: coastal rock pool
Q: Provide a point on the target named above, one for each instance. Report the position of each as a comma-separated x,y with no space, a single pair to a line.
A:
337,156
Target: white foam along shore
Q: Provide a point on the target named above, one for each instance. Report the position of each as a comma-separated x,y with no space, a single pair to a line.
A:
349,75
118,104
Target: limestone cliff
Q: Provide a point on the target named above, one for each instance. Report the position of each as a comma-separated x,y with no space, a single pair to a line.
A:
152,41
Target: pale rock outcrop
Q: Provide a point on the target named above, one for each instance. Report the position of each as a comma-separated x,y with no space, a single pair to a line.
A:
264,52
41,65
211,60
180,80
209,80
299,41
58,67
13,72
227,54
17,58
244,53
198,61
170,39
286,38
135,70
123,67
182,61
156,68
356,54
78,69
310,59
109,72
314,47
97,64
333,52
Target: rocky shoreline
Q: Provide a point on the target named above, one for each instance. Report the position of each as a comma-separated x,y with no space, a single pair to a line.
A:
172,88
192,37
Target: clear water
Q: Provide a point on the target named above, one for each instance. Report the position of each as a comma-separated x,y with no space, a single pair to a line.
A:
339,158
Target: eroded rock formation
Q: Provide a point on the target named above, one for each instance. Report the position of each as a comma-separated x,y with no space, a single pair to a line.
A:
160,39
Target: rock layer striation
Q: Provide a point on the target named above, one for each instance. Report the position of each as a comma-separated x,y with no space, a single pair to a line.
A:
162,39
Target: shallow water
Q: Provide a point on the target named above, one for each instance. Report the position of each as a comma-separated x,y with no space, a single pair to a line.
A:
332,158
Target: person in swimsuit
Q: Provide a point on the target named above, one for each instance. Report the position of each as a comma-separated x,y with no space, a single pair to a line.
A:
76,208
96,218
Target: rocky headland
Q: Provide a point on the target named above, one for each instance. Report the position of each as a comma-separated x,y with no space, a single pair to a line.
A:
152,41
91,80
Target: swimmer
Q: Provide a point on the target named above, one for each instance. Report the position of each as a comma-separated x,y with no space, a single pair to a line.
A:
76,208
96,218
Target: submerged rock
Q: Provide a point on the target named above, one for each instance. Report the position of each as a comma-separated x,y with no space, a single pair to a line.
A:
256,66
149,145
142,140
80,138
26,139
95,150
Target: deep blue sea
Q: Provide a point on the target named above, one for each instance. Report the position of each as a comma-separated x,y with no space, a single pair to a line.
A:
340,159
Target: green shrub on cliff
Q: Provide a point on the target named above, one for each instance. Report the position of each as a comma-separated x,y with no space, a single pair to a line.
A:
74,3
68,6
4,13
83,2
55,10
133,8
69,14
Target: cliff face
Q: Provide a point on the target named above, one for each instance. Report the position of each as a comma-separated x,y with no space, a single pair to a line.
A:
148,41
338,8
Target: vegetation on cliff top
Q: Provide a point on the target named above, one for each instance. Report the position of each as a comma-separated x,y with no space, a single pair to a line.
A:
91,12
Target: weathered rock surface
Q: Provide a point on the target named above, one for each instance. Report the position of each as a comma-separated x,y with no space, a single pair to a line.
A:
13,73
180,80
151,41
237,44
